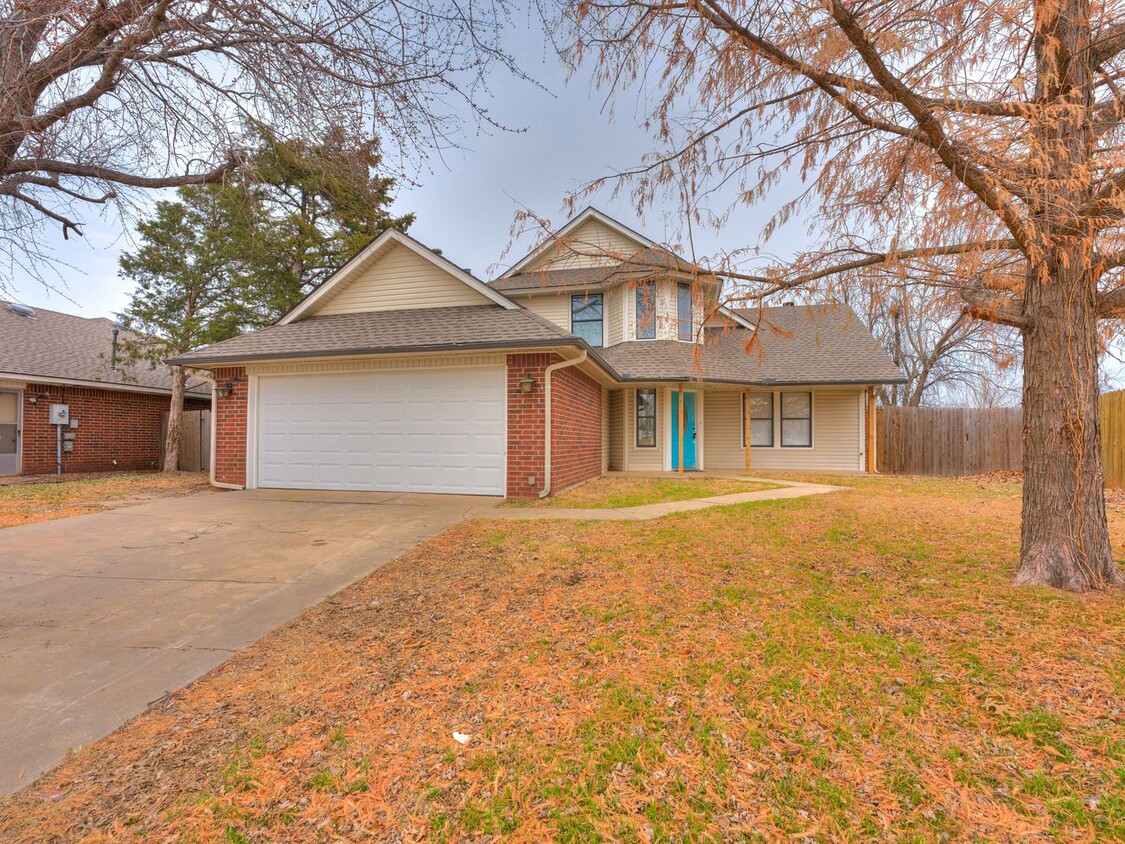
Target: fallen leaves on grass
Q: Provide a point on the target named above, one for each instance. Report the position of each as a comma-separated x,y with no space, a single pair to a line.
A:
42,498
847,667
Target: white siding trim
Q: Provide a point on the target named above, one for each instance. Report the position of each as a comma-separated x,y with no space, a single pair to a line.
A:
586,216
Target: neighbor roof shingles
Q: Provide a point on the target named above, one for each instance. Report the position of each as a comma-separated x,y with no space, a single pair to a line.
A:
71,348
814,344
468,327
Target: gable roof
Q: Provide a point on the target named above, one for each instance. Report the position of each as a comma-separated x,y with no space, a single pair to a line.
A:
810,344
63,348
372,332
585,216
642,264
370,254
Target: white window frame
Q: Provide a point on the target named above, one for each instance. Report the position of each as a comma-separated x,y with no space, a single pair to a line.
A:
691,312
637,417
653,300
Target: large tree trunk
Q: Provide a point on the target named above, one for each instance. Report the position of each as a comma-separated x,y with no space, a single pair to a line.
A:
175,421
1064,539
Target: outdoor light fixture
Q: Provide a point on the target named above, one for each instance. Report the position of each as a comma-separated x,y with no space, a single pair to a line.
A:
224,390
527,383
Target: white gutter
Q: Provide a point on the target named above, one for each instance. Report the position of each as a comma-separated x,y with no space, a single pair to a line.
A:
214,452
562,364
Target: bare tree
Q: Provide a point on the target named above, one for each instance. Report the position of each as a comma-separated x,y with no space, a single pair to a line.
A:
100,99
986,133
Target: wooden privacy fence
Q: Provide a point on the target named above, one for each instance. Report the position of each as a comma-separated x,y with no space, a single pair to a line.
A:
949,440
195,440
1113,437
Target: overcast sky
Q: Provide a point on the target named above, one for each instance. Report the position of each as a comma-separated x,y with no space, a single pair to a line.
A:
466,200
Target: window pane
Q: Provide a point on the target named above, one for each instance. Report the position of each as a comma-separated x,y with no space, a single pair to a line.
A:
586,317
761,432
796,405
646,432
683,312
646,418
761,406
586,307
796,432
646,312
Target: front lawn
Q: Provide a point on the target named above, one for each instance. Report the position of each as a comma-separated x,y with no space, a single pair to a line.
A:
615,492
844,667
42,498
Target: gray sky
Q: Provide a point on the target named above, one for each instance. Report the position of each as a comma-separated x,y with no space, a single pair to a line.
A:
466,200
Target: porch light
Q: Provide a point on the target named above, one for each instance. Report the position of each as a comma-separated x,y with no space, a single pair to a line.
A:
527,383
224,390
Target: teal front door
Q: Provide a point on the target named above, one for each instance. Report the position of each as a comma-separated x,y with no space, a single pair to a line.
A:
689,430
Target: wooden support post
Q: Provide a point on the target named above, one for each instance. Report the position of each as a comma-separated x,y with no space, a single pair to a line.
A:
746,425
870,430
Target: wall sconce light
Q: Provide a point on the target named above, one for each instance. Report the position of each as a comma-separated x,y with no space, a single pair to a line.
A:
527,383
224,390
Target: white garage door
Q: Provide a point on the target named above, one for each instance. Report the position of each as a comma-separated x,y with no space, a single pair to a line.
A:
419,431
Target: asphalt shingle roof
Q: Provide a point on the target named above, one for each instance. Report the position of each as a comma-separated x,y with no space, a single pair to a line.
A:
71,348
425,329
643,263
814,344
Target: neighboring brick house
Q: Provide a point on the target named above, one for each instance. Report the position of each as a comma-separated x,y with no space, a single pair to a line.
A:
403,372
114,414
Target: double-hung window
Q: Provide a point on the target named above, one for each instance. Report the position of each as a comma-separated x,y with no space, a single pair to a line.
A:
646,311
796,420
646,418
586,317
685,324
760,412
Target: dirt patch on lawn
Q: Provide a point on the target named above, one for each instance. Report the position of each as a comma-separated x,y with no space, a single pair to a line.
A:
44,497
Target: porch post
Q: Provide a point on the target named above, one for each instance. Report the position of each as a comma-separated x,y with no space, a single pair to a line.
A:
870,431
746,425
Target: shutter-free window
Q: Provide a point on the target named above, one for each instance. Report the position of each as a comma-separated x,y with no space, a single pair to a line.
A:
761,419
586,316
685,326
646,311
646,418
796,420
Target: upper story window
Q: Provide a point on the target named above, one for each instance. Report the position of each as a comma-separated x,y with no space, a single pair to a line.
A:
646,311
587,315
685,312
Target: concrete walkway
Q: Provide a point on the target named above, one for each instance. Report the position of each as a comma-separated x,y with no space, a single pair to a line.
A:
786,489
102,614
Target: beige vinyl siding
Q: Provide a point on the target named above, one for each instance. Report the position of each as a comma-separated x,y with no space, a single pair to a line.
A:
722,430
615,314
615,417
592,244
644,459
553,307
400,280
837,434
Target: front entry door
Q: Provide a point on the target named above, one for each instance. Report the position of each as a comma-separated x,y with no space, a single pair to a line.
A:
9,433
689,430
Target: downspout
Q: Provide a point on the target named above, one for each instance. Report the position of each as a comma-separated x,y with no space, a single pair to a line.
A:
562,364
214,420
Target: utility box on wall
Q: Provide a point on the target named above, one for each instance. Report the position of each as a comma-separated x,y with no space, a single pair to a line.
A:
60,414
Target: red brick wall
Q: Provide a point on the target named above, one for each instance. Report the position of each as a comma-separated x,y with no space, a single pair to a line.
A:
576,426
117,430
230,427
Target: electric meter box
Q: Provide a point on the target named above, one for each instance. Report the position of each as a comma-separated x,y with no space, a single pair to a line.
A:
60,414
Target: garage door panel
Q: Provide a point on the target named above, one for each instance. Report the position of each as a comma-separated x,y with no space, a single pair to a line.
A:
432,431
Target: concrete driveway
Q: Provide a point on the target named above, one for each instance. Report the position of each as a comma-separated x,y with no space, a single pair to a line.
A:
101,615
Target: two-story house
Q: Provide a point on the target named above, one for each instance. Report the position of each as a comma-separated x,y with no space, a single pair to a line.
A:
598,351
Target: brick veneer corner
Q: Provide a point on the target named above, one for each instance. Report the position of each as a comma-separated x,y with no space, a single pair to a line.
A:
230,426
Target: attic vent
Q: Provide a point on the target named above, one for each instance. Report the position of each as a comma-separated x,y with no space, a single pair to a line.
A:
21,310
788,304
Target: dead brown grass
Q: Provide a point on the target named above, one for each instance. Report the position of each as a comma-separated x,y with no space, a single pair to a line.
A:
847,667
616,492
42,498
